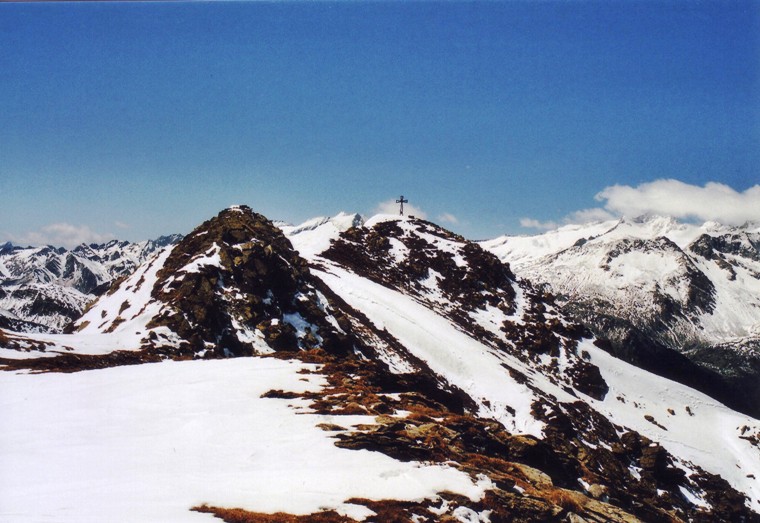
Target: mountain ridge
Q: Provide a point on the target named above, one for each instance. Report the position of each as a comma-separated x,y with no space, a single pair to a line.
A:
423,347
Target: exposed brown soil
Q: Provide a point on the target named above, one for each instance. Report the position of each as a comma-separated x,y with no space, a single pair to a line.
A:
236,515
535,479
80,362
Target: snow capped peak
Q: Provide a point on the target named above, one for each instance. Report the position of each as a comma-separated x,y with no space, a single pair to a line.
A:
48,287
524,250
659,224
653,284
341,222
234,286
651,226
314,235
713,226
347,220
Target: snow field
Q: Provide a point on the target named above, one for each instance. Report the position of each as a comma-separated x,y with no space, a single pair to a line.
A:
148,442
210,258
314,236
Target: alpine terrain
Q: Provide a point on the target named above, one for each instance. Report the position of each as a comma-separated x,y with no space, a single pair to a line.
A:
680,300
379,371
43,289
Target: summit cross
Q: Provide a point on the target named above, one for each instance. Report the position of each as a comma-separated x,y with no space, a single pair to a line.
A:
402,202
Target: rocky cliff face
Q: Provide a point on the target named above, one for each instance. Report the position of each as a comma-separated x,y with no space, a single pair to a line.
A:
444,356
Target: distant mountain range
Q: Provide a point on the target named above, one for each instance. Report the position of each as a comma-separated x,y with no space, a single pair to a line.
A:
490,390
678,299
42,289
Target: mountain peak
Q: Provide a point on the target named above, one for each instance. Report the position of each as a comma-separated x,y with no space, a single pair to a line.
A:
234,286
237,208
442,353
379,218
6,248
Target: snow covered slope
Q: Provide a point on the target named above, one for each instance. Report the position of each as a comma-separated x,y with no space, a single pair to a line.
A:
653,282
518,364
432,384
315,235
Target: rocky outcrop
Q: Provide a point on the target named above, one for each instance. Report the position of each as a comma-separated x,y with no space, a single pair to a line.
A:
425,259
474,289
236,287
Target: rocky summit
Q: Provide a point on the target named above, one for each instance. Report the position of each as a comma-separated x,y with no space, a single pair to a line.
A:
399,372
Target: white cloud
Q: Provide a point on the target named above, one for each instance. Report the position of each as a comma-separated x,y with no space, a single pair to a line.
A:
391,207
714,201
589,216
448,218
531,223
63,235
121,225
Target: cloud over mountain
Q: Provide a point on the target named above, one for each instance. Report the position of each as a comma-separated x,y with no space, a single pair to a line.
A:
714,201
668,197
63,235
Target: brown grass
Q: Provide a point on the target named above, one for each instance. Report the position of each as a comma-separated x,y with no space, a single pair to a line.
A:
237,515
118,321
567,500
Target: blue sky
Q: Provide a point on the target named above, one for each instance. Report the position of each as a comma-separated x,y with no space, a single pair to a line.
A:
138,119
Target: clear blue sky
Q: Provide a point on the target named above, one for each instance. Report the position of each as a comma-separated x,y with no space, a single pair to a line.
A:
138,119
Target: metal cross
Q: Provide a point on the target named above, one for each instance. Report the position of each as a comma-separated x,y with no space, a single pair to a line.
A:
402,202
